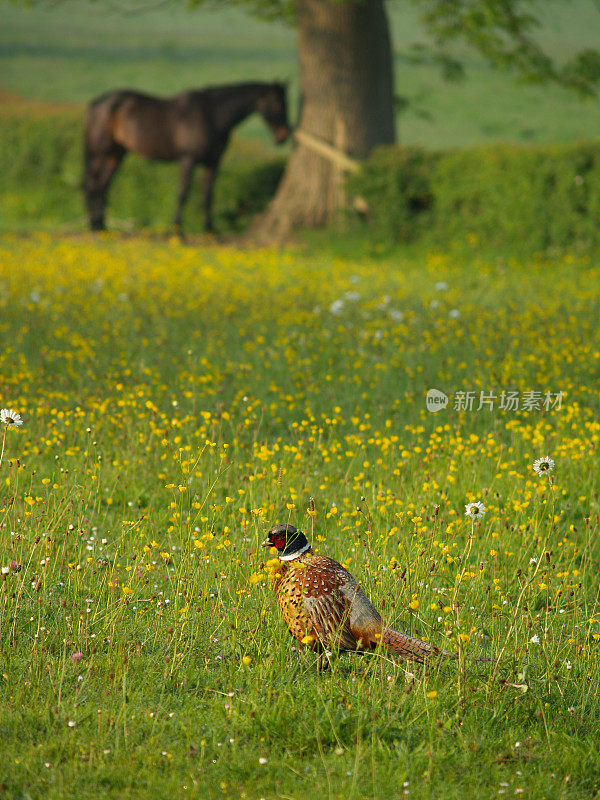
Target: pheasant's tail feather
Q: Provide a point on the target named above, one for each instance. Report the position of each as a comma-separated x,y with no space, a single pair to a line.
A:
407,646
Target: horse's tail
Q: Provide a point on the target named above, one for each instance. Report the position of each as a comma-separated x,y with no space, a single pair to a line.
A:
97,138
97,135
87,149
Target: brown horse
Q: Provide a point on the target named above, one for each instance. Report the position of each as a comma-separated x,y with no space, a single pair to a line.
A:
192,127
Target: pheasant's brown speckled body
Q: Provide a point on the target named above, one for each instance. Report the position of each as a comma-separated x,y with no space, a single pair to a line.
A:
325,609
319,598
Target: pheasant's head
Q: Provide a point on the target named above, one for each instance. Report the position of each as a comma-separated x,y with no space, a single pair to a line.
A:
288,541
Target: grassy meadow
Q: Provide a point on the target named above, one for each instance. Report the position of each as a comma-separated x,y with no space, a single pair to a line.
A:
176,402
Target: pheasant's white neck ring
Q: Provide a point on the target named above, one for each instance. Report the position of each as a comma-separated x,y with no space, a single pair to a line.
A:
292,556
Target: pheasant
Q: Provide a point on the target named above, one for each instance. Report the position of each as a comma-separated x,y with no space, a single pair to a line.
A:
325,608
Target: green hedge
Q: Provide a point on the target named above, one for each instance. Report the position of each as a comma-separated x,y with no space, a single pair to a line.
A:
528,198
531,197
41,175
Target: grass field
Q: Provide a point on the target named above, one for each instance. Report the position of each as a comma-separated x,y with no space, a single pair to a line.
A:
72,51
177,401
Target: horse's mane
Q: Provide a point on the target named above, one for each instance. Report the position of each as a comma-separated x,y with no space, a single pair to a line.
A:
227,90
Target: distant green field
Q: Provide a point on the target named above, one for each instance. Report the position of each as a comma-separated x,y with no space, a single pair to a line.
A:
74,50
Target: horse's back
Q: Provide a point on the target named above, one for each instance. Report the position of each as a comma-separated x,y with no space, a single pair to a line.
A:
156,127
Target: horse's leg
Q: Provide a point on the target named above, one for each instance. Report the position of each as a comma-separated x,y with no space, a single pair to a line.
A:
100,172
95,165
111,164
209,182
187,170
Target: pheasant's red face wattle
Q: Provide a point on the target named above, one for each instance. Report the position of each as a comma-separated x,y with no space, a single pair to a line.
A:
288,541
277,540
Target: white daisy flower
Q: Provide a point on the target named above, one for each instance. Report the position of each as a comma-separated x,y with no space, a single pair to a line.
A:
475,510
10,418
543,465
535,639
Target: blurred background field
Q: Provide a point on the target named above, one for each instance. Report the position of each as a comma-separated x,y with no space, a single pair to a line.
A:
54,59
73,51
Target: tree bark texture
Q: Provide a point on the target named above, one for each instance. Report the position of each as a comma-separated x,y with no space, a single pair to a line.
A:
347,100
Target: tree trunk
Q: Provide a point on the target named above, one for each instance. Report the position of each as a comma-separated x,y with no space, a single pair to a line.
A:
346,88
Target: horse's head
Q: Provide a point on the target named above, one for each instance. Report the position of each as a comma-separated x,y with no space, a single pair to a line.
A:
272,107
